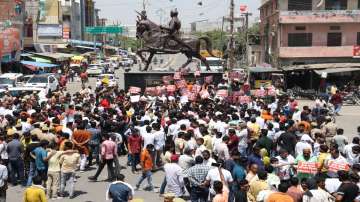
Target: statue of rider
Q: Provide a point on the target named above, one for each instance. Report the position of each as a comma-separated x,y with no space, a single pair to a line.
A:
173,31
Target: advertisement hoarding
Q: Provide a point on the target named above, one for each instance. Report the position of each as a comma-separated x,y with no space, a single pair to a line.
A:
45,30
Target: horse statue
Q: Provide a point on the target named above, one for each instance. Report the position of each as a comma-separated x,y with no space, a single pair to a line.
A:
156,40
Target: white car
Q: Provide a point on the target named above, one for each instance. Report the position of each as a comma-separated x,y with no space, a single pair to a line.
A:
8,80
23,91
215,64
112,80
94,70
46,81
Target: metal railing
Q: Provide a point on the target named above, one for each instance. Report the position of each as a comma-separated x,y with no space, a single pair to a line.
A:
320,12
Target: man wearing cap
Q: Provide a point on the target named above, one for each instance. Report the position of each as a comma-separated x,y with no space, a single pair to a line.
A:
174,176
329,129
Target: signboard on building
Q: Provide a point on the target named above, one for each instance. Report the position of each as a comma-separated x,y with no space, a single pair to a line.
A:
104,30
9,44
356,52
66,32
45,30
49,11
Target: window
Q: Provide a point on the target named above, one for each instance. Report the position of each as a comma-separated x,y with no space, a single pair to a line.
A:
334,39
335,28
300,28
299,5
299,39
335,4
358,38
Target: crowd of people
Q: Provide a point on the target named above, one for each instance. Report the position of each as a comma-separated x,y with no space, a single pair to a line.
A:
209,149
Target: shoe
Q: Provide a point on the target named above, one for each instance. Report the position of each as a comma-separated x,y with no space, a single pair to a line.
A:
71,197
92,178
137,188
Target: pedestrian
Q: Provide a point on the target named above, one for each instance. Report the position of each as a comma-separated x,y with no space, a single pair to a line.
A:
3,181
80,139
134,145
15,152
69,163
174,177
196,176
281,195
35,193
146,167
41,157
108,153
119,190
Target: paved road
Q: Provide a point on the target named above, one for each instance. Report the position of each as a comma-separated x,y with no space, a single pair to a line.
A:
95,191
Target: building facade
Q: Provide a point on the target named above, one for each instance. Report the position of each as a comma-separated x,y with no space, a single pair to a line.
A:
11,30
298,32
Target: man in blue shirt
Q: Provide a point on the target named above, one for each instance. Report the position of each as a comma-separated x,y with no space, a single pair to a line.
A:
120,191
41,158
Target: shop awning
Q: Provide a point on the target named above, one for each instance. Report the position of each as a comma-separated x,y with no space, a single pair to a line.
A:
41,60
263,69
35,65
337,70
56,56
320,66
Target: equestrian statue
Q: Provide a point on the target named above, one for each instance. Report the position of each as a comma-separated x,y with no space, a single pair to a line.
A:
167,40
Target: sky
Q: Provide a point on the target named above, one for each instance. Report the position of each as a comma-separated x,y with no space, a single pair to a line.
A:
123,11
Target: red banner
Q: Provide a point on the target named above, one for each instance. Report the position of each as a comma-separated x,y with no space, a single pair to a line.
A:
160,90
181,84
245,99
209,79
196,89
171,88
307,167
177,76
151,91
260,93
192,96
204,94
356,51
167,79
222,93
134,90
197,73
334,167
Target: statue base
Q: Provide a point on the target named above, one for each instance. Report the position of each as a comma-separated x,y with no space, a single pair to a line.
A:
155,78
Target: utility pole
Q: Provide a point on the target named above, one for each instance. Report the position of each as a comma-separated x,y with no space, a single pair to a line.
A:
247,14
231,48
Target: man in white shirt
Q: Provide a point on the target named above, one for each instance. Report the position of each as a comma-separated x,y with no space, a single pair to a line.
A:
352,151
214,175
148,137
174,177
284,164
222,150
335,157
3,179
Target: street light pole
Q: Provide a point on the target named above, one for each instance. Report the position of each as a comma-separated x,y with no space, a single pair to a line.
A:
231,48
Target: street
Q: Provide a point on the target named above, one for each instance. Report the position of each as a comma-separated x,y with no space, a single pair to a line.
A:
95,191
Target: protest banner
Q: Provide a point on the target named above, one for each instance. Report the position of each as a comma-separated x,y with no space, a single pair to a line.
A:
204,94
171,88
177,76
245,99
150,90
307,167
222,93
196,88
260,93
134,90
181,84
209,79
334,166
